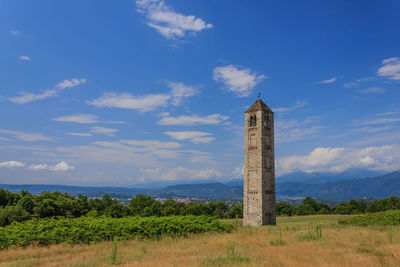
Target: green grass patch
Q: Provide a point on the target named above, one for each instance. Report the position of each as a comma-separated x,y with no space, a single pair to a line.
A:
86,230
231,257
290,220
391,217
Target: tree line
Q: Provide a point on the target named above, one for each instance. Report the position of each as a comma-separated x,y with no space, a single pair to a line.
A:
24,206
310,207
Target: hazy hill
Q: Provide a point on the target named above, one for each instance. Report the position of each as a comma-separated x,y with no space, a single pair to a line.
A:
373,187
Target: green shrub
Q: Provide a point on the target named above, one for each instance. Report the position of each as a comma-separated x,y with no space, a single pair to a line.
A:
87,230
9,214
391,217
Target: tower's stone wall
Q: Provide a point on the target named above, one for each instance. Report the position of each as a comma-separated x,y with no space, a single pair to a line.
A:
259,166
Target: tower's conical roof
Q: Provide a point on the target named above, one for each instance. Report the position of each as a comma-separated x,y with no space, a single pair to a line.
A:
258,105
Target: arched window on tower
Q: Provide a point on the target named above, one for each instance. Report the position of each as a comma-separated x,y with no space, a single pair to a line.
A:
252,121
266,121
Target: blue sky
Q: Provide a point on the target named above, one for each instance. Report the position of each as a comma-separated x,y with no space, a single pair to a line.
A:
128,92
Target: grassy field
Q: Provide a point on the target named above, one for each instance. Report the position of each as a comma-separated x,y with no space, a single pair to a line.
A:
296,241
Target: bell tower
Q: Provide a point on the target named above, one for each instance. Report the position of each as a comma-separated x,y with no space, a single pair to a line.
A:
259,166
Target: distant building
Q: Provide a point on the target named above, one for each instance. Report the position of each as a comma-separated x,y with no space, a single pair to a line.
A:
259,166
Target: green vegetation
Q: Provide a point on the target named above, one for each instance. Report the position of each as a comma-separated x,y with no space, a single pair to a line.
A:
278,242
24,206
390,217
89,230
311,234
113,257
231,257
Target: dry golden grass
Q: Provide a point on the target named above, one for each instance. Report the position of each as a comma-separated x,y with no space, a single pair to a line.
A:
339,246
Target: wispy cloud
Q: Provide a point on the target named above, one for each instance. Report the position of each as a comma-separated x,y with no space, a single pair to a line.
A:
59,167
179,91
103,130
128,101
390,69
167,22
195,137
387,113
331,80
358,81
25,97
189,120
12,164
327,159
150,102
85,119
299,104
28,137
372,90
25,58
378,121
15,32
79,118
240,81
80,134
293,130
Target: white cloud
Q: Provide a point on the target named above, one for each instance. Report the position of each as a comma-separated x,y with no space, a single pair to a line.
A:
29,137
390,69
195,137
85,119
238,172
25,58
372,90
239,81
103,130
70,83
299,104
358,81
387,113
167,22
12,164
59,167
79,118
25,97
144,103
200,159
15,32
384,158
180,91
29,97
193,120
379,121
81,134
128,101
331,80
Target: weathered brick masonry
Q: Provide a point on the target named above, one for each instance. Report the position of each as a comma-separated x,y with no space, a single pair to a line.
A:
259,166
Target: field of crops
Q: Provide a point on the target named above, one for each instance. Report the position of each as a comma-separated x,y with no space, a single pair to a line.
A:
317,240
90,230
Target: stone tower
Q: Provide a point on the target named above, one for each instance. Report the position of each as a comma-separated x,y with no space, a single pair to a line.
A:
259,166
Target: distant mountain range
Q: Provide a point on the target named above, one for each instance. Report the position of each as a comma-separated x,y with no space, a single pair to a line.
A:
328,186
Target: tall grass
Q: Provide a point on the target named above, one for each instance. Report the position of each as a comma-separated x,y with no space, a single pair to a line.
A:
113,256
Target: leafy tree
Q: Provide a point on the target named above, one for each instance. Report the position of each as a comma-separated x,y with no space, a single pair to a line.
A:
235,211
9,214
284,209
139,203
305,209
311,202
26,202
